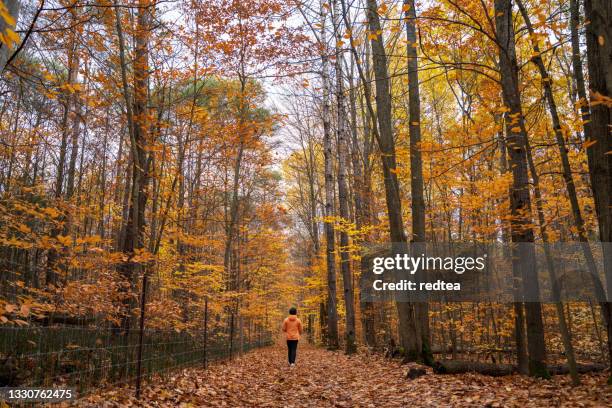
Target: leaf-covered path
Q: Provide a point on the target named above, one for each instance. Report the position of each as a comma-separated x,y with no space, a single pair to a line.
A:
324,379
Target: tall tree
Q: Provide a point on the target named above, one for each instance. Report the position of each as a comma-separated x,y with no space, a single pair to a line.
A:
599,55
523,259
332,311
416,169
138,130
408,330
343,196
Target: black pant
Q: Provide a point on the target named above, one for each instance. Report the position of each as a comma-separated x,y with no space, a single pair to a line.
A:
292,348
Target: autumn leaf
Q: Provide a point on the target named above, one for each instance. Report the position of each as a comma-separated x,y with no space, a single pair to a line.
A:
332,379
10,38
24,228
24,310
8,19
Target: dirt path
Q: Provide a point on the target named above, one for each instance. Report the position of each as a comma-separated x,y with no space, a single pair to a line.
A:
324,379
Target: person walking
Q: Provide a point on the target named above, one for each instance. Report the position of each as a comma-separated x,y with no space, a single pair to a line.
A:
292,327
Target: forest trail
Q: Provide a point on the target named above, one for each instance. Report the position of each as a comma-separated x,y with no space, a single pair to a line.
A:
331,379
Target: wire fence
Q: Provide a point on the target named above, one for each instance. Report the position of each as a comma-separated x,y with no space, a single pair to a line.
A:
90,358
87,350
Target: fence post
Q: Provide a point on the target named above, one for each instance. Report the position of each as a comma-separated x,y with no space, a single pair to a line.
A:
259,330
310,337
231,339
143,299
206,332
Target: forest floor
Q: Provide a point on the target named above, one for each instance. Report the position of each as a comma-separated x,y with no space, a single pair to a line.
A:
321,378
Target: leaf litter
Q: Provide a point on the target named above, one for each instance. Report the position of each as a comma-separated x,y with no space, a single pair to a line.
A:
331,379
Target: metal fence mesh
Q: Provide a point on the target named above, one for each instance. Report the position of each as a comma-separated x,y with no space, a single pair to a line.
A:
89,358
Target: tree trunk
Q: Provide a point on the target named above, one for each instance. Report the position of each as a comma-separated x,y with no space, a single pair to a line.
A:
500,370
565,335
332,312
314,224
362,170
138,130
416,171
386,142
583,102
523,259
599,55
343,198
566,168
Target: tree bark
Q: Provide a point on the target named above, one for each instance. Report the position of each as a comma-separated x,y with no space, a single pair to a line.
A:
137,115
407,320
500,370
343,198
565,334
565,163
523,260
416,172
599,55
332,311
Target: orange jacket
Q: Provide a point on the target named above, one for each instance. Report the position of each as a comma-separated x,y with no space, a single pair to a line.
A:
292,327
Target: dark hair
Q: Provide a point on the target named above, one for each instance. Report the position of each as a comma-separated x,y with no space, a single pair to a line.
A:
293,311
